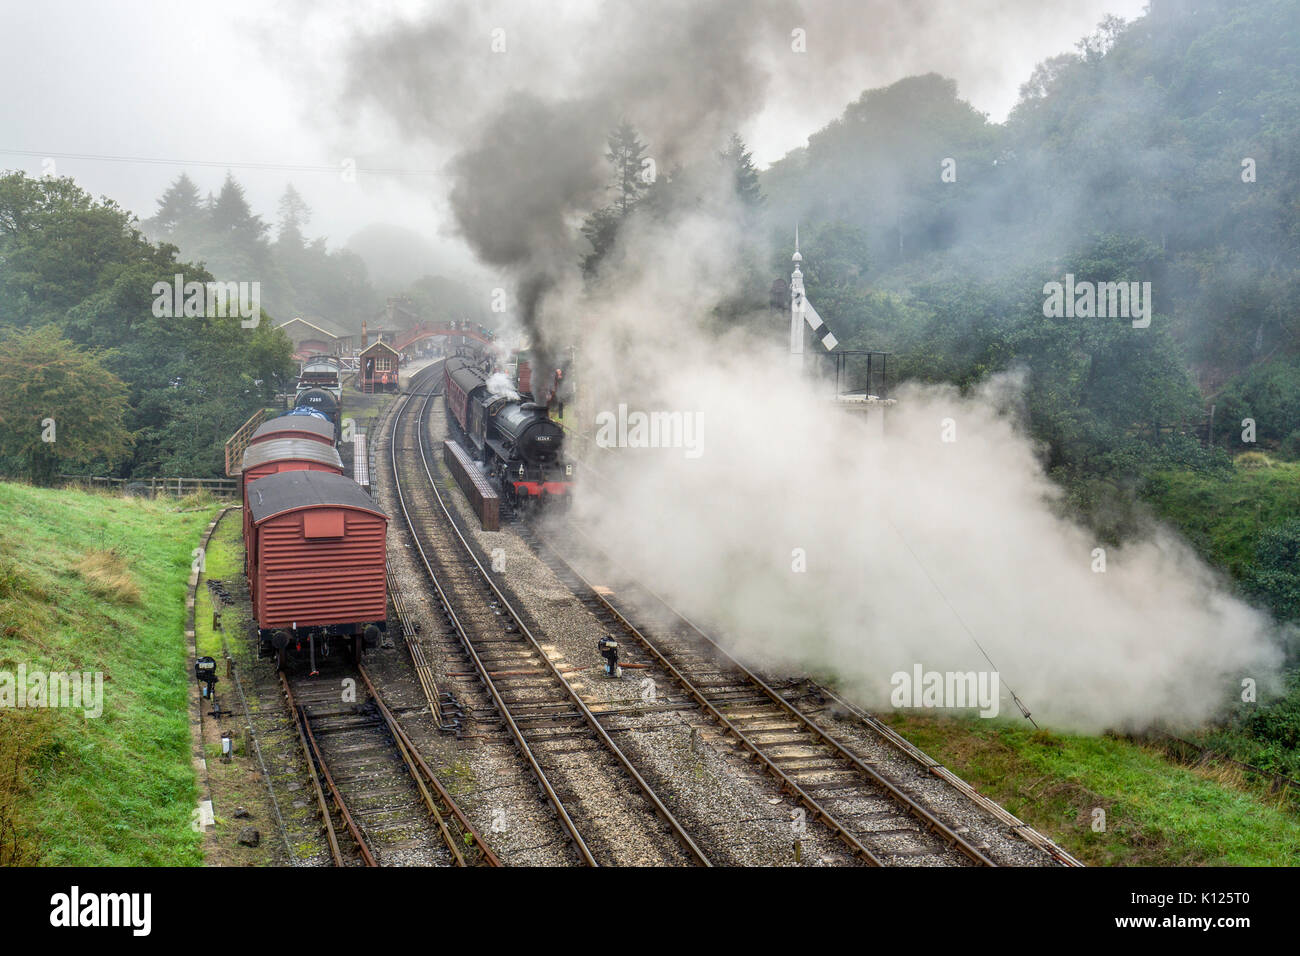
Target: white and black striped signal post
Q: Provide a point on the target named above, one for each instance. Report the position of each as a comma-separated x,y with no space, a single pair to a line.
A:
801,311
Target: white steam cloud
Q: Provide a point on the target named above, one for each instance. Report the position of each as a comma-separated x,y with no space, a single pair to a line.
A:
498,383
912,544
915,547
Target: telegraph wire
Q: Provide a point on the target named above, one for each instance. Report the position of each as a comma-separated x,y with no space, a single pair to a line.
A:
161,161
960,620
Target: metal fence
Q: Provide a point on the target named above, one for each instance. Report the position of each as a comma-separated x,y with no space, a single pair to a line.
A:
153,487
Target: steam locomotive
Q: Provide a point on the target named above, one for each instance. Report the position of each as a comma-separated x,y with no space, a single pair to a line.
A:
520,447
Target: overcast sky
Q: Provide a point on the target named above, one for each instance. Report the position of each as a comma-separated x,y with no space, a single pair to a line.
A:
243,85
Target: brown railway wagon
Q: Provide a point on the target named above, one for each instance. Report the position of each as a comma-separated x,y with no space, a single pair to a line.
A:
275,455
294,426
316,558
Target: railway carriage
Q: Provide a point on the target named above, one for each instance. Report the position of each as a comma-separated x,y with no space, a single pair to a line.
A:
284,454
312,427
317,565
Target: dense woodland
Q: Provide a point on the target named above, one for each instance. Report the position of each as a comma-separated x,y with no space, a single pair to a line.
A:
76,281
1165,151
299,276
76,314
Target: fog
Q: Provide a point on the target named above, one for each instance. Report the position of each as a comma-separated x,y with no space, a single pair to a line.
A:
918,550
915,547
88,85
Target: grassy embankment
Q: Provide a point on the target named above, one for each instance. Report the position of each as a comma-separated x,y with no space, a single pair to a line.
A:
1224,518
1156,811
91,582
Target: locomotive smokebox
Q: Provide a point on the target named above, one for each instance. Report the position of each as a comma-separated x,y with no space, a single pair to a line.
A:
534,437
318,399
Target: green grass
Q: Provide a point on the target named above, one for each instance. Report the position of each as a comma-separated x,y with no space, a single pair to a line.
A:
1156,813
362,407
91,582
224,561
1223,517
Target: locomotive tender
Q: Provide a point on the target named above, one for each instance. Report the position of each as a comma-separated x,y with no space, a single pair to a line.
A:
321,371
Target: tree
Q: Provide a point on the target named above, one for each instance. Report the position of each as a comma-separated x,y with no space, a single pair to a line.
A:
1094,47
57,246
63,408
231,213
1045,78
233,245
600,229
81,265
294,214
741,161
179,206
627,156
834,269
1269,394
298,276
1275,575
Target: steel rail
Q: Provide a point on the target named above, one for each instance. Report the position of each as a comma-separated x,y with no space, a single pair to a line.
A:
996,810
932,766
423,671
422,772
786,783
314,756
539,774
931,823
326,816
661,810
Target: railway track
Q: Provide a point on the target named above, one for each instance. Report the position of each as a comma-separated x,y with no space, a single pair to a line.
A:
391,808
602,805
879,821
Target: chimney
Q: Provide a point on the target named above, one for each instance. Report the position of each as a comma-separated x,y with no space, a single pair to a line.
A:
364,335
525,376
